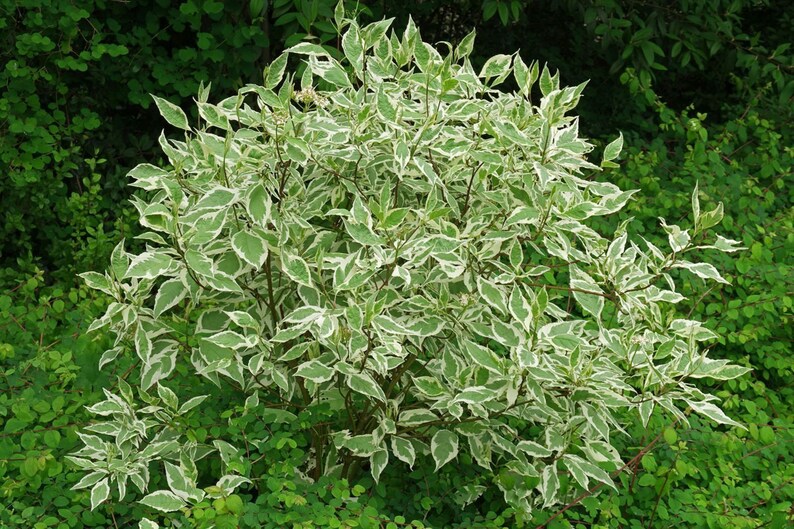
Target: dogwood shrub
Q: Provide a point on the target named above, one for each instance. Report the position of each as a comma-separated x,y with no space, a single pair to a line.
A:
392,239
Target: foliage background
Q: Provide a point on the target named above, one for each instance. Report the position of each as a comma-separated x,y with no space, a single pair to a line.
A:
701,90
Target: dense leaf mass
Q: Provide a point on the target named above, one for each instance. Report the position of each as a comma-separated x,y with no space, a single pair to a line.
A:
701,93
406,247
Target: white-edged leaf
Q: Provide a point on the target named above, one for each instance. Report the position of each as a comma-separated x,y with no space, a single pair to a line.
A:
612,150
168,397
378,462
492,294
172,113
696,203
177,480
97,281
250,247
163,500
230,482
192,403
315,371
496,66
416,417
89,480
403,450
168,295
475,395
296,268
366,385
704,270
483,356
713,412
146,523
444,447
386,109
99,493
149,265
353,48
549,484
581,283
533,449
576,471
259,205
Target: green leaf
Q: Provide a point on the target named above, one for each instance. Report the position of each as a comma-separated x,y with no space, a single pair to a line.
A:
172,113
444,447
163,500
146,523
670,436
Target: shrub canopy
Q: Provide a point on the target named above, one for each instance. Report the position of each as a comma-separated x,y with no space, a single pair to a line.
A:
402,247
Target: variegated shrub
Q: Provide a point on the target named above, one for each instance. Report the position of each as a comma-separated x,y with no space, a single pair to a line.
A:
397,240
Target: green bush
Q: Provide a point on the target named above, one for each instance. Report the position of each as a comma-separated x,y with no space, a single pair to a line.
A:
402,254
